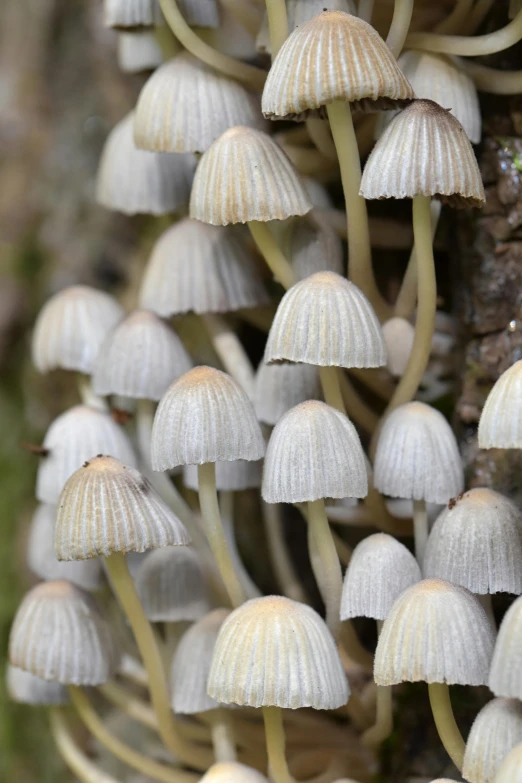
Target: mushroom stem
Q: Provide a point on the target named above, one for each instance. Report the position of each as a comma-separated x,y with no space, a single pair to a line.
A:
230,351
383,725
360,269
135,708
325,562
87,395
215,533
272,253
319,133
444,719
477,16
407,298
275,745
454,21
341,395
83,768
284,571
365,10
277,24
493,81
222,732
420,529
245,13
226,502
331,386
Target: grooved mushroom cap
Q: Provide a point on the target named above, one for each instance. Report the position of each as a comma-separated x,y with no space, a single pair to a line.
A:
199,267
136,181
476,542
417,456
398,336
314,452
106,507
495,731
505,677
132,14
205,416
233,476
191,665
379,570
510,771
500,424
346,59
424,151
138,52
313,246
278,387
59,634
232,772
435,632
273,651
72,438
326,320
70,328
140,358
25,688
245,176
169,115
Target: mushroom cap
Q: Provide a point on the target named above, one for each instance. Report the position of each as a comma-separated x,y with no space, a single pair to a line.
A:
59,634
201,13
495,731
72,438
346,60
140,358
205,416
500,424
314,452
199,267
326,320
424,151
245,176
435,632
312,245
505,677
278,387
273,651
298,12
138,51
232,772
25,688
417,456
476,542
132,14
379,570
398,336
106,507
233,476
510,771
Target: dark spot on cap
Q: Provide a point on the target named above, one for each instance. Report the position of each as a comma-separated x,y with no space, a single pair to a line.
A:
452,503
86,464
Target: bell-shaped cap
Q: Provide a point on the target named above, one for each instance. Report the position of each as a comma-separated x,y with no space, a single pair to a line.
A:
138,52
326,320
495,731
203,268
500,424
435,632
280,386
313,246
171,586
245,176
476,542
379,570
59,634
424,151
132,14
205,416
70,328
398,336
273,651
191,665
232,476
72,438
299,12
140,358
107,507
136,181
346,60
232,772
314,452
417,456
510,770
25,688
505,677
168,114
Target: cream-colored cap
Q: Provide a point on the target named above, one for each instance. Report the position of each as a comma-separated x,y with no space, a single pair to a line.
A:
106,507
138,52
280,386
505,677
314,452
232,772
435,632
276,652
417,456
59,634
500,424
26,688
326,320
298,12
245,176
510,771
398,336
205,416
132,14
379,570
233,476
495,731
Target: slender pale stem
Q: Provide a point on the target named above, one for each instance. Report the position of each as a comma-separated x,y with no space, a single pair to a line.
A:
226,502
365,10
222,731
407,298
332,388
321,137
135,708
454,21
327,567
400,25
271,252
83,768
383,726
275,745
87,395
230,351
477,16
420,529
466,46
284,571
355,405
445,722
493,81
277,24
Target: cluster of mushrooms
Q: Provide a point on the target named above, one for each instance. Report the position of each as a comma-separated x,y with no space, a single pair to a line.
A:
148,618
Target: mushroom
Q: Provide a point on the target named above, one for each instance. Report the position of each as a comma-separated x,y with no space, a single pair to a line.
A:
495,731
505,676
26,688
500,424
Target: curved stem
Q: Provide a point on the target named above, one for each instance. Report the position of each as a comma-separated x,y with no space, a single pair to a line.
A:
454,21
271,252
320,135
402,12
477,16
377,379
383,725
135,708
82,766
275,745
493,81
469,46
407,298
222,732
230,351
286,576
356,407
277,24
444,719
325,562
226,502
331,386
420,529
365,10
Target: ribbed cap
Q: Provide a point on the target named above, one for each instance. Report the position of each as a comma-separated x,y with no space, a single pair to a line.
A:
346,59
233,476
417,456
106,507
326,320
138,52
313,246
205,416
41,557
495,731
379,570
171,587
435,632
398,336
232,772
424,151
314,452
500,424
510,770
191,665
72,438
124,14
278,387
199,267
71,327
25,688
245,176
59,634
505,677
140,358
476,542
136,181
276,652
